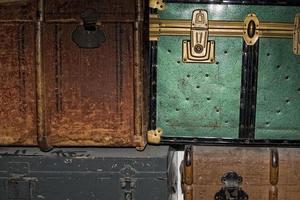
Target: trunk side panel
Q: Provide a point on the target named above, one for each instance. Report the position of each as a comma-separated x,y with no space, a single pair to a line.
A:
89,91
17,88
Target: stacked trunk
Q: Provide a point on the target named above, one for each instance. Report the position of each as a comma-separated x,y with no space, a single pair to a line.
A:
55,92
262,173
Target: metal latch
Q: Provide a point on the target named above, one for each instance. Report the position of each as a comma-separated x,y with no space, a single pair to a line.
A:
88,35
128,188
128,183
20,188
199,49
231,189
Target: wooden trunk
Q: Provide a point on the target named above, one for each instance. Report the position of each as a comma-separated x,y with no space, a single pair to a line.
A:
267,174
55,93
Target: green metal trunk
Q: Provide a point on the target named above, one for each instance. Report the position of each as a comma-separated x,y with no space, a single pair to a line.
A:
203,100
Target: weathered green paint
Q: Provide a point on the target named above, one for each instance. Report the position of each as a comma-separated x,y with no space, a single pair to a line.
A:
278,98
204,99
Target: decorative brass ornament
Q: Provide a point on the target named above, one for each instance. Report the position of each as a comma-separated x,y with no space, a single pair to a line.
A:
251,29
157,4
201,50
198,49
296,40
154,136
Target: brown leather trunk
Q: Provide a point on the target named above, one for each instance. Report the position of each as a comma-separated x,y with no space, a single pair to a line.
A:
55,93
258,173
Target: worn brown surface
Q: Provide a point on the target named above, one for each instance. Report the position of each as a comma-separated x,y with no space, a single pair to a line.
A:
17,74
253,164
24,10
91,95
89,91
69,10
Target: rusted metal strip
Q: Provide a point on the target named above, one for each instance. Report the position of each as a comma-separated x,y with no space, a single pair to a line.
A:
40,84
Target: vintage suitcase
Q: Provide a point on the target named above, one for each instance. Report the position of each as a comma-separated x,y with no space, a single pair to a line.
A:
241,173
72,73
225,72
78,173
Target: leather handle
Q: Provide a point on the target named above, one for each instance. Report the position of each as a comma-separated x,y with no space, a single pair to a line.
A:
274,166
273,193
187,173
188,192
188,165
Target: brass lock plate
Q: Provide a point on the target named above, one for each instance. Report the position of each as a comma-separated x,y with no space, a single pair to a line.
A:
199,49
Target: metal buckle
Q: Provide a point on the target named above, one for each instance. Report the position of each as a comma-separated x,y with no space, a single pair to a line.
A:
199,48
232,189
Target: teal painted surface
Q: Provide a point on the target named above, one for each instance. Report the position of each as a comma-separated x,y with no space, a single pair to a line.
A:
278,102
204,99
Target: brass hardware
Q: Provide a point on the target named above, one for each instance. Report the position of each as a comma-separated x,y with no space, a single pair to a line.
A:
186,169
199,49
250,29
251,26
296,41
155,26
274,166
157,4
154,136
